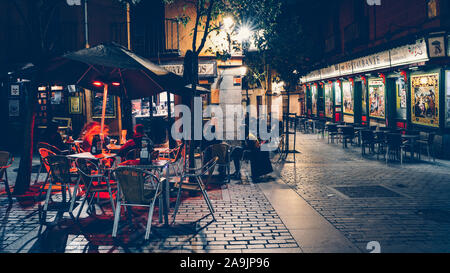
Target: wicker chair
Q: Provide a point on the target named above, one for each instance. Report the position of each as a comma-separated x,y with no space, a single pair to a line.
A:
136,187
5,162
196,175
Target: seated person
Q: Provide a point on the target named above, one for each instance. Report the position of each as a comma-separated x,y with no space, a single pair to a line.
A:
135,142
89,131
259,160
52,137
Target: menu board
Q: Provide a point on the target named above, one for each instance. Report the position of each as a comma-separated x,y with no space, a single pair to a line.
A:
376,98
425,99
347,89
314,95
328,101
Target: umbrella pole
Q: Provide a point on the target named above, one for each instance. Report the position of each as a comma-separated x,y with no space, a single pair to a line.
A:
105,96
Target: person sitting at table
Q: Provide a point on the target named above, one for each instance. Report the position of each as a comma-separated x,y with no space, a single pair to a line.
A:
53,137
89,131
136,141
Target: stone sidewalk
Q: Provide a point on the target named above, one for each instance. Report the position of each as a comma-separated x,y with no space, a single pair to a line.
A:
406,208
251,218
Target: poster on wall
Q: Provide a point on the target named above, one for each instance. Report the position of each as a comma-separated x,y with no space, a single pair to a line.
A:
314,99
347,89
14,110
15,90
337,93
425,99
401,94
376,98
328,101
75,105
97,102
447,101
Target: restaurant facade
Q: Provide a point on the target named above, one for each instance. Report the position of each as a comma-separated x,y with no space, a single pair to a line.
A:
407,86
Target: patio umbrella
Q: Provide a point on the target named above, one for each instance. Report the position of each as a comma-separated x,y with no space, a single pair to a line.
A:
113,69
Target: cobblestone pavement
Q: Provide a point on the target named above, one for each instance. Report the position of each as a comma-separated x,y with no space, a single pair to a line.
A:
246,222
416,219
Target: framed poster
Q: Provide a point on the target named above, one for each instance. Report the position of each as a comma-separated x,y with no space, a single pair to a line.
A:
337,93
347,89
75,105
97,102
425,99
15,90
328,101
14,108
314,95
56,97
377,98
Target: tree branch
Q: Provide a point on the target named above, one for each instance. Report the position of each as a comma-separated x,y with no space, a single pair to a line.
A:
208,19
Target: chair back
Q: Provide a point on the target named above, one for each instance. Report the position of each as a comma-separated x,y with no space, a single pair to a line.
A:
222,151
44,153
431,138
132,154
137,186
154,155
348,131
332,128
393,140
50,147
366,135
87,169
59,168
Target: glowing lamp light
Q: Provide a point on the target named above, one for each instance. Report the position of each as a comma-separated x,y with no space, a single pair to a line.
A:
228,23
244,33
97,83
115,83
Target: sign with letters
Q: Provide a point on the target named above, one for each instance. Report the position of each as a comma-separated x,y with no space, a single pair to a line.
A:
205,70
413,53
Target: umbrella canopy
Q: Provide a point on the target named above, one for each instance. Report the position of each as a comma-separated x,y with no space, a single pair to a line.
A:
138,77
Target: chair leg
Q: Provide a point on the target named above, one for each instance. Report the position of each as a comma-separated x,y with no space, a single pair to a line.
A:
47,197
116,218
86,193
177,203
205,196
72,202
111,199
150,215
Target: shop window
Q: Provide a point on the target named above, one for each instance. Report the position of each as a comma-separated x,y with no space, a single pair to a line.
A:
314,95
328,101
347,89
432,9
377,98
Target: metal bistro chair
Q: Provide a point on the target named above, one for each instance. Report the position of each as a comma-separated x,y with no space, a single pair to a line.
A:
333,132
196,175
133,154
174,156
5,162
136,188
59,174
94,181
320,128
367,139
428,142
223,152
51,148
394,146
348,134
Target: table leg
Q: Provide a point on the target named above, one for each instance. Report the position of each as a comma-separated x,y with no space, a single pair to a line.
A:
166,204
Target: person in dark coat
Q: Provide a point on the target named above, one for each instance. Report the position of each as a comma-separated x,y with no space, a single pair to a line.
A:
136,141
52,137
